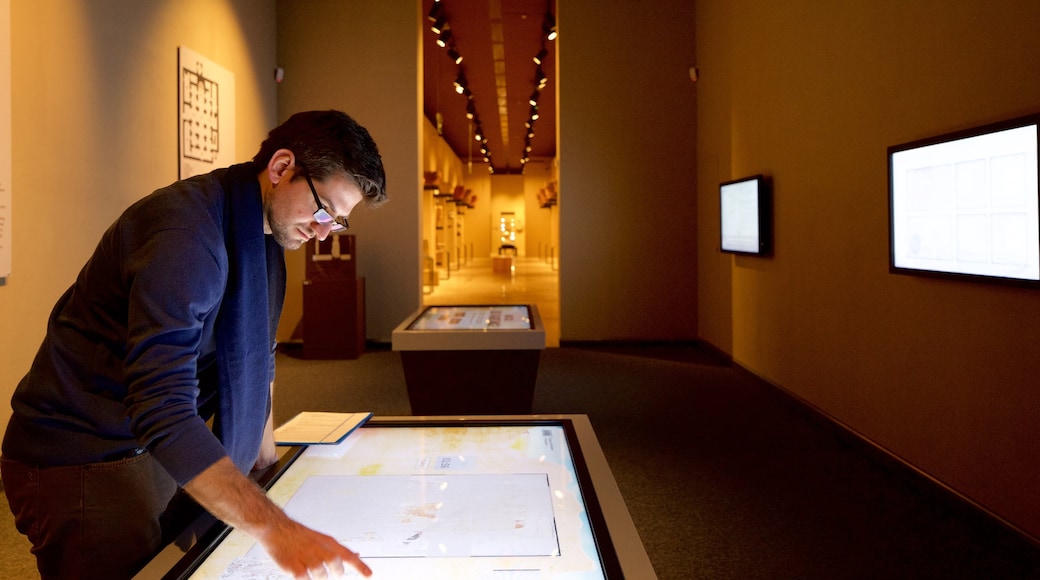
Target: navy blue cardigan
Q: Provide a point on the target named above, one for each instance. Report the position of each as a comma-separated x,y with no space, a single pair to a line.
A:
178,306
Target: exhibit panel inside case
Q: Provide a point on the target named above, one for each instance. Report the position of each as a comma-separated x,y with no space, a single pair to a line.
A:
451,498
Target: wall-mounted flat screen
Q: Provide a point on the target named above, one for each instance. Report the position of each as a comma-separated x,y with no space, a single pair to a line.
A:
502,499
474,317
746,216
965,204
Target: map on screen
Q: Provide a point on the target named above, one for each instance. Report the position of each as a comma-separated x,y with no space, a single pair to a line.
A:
497,501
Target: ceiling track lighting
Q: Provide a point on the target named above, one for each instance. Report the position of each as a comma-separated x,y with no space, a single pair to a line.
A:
460,83
439,25
538,58
540,78
435,12
444,37
549,26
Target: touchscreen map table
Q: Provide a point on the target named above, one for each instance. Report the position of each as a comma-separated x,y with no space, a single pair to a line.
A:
453,499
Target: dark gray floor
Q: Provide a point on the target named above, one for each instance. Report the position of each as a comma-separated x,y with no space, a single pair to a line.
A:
724,476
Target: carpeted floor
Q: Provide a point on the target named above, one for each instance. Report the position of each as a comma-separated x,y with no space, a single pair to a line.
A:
724,476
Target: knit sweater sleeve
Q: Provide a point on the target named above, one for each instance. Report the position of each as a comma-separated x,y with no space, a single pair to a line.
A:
176,280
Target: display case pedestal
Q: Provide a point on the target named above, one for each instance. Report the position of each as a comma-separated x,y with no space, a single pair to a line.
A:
502,264
454,370
470,382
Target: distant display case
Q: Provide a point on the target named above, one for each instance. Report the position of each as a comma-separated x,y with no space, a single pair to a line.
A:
471,359
445,497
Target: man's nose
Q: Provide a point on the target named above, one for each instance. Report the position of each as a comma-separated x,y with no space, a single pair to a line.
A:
322,231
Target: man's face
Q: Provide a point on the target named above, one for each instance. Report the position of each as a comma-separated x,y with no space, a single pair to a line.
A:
290,207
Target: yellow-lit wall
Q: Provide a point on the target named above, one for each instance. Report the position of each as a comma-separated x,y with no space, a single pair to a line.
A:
626,148
943,374
363,58
94,110
542,232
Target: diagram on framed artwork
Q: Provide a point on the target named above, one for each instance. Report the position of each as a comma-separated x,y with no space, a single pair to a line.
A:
206,115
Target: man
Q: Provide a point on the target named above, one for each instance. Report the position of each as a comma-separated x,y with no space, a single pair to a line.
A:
171,323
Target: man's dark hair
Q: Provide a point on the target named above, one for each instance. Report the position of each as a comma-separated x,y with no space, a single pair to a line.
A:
327,143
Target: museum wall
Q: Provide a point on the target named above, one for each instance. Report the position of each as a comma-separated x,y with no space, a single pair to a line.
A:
452,172
542,226
942,374
363,58
94,111
627,177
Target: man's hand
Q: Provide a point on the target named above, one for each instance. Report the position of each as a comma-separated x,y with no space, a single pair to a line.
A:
306,553
238,502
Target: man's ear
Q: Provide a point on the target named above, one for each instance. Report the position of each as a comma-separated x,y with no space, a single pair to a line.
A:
280,163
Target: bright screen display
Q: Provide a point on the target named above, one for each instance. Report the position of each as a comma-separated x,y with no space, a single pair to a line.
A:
744,215
436,502
967,203
516,317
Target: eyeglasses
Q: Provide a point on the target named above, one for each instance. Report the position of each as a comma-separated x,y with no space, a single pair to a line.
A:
322,216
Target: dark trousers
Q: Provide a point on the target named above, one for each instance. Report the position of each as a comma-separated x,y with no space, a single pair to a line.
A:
102,520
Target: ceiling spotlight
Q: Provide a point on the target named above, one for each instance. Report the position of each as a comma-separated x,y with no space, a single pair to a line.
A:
455,56
534,99
444,38
435,11
470,110
541,78
439,25
549,26
538,58
460,83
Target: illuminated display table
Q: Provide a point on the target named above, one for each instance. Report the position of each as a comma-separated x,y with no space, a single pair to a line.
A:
471,359
444,497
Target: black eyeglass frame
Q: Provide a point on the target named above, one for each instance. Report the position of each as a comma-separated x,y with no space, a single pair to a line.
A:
322,216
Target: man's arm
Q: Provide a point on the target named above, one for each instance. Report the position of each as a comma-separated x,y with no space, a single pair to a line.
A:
268,448
238,502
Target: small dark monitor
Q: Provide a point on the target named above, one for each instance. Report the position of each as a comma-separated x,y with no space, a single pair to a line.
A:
964,204
747,216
